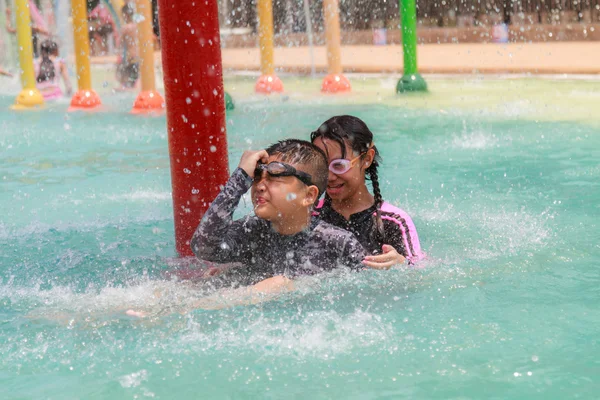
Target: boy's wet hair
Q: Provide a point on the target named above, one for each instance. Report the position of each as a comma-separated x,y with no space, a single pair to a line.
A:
349,129
312,159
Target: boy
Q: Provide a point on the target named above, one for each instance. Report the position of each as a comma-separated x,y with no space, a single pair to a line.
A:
282,240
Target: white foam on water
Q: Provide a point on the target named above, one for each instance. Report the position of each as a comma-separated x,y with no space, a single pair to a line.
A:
315,332
37,228
141,196
318,334
517,108
478,140
490,233
510,231
134,379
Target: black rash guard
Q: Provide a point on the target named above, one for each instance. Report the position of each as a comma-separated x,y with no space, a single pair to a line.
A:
266,253
400,232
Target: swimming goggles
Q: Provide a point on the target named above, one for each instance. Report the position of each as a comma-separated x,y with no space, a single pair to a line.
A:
277,168
340,166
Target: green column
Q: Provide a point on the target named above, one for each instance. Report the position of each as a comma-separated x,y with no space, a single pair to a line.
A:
229,105
411,81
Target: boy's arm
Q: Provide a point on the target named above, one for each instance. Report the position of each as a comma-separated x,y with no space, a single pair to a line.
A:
353,253
218,238
263,291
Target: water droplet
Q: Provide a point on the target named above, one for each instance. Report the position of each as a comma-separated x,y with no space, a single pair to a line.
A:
291,196
213,149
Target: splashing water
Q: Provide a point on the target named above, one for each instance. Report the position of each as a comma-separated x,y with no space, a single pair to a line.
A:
506,208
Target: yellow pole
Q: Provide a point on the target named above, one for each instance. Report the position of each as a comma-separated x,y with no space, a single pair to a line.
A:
332,32
334,82
146,44
85,97
149,100
265,36
81,43
268,81
29,96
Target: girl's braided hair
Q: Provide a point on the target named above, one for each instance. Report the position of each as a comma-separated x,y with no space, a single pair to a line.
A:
344,129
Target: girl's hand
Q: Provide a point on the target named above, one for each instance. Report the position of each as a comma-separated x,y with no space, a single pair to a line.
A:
386,260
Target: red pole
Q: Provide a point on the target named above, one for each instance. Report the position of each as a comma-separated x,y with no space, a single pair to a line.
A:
193,75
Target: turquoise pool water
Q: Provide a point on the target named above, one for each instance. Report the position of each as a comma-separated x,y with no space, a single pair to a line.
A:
506,306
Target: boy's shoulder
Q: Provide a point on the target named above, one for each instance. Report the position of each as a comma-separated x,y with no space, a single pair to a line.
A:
252,224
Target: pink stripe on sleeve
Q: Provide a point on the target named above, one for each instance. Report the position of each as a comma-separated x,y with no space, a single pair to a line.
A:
410,237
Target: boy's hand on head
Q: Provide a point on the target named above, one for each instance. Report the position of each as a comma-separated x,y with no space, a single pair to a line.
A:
386,260
249,160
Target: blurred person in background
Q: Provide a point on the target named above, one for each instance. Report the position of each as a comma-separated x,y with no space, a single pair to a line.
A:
101,27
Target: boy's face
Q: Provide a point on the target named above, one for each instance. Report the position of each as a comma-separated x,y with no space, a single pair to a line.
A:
281,198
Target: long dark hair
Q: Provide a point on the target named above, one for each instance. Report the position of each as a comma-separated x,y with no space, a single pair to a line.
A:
344,129
47,70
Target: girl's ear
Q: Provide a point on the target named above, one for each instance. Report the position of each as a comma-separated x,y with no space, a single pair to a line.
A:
369,157
312,194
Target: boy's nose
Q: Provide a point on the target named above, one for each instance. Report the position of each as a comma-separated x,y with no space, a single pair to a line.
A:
259,182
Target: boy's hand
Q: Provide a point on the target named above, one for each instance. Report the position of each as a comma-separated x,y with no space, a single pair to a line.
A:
249,160
386,260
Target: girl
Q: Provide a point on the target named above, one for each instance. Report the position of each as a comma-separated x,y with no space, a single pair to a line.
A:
48,69
386,232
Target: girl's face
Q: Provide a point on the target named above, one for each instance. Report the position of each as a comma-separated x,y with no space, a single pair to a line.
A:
341,187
